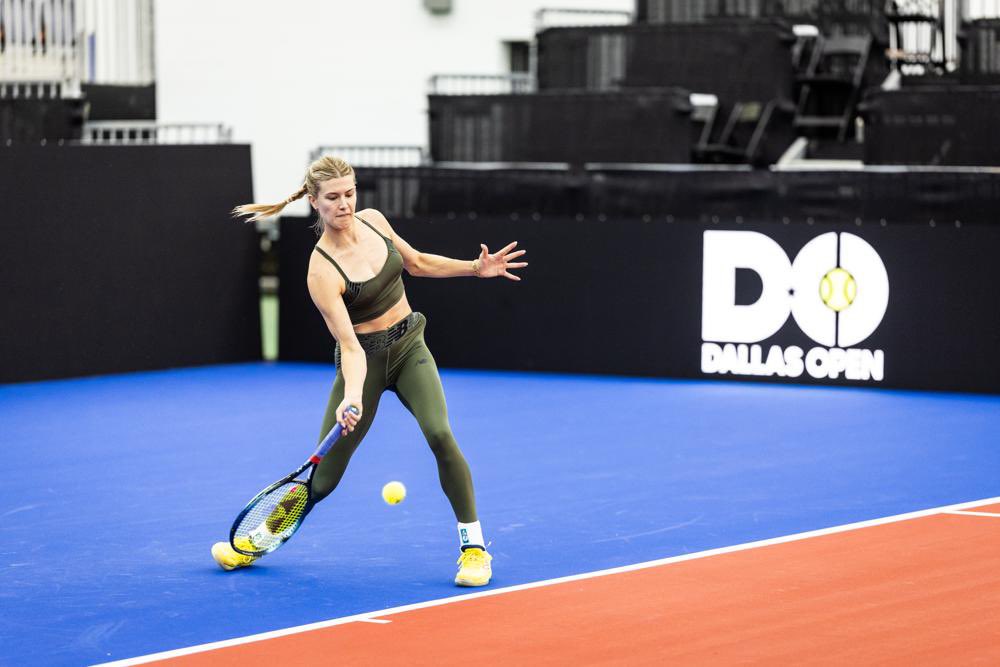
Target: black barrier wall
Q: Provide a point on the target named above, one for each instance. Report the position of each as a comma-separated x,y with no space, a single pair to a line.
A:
833,17
980,62
110,102
629,294
739,60
125,258
649,125
39,120
932,125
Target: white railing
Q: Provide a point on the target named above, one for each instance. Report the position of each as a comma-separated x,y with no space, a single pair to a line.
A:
481,84
74,41
376,156
571,18
917,33
38,41
918,43
32,90
136,133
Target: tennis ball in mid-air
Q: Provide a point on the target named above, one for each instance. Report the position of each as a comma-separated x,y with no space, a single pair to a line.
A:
838,289
393,493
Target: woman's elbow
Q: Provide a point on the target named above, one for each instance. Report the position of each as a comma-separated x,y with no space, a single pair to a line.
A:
416,267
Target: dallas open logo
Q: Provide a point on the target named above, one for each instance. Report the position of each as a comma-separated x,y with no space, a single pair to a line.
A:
836,289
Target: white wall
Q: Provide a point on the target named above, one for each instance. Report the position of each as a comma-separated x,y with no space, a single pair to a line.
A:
298,74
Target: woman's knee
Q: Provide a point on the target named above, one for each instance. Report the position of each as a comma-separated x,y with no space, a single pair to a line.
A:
445,448
440,438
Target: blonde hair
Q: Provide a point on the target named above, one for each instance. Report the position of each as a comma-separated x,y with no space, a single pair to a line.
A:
320,171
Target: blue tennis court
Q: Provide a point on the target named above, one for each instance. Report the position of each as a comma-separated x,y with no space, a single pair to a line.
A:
115,487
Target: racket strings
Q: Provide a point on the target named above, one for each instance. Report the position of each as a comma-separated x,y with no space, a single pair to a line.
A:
274,517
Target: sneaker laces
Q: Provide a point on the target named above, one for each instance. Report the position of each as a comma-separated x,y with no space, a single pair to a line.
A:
474,557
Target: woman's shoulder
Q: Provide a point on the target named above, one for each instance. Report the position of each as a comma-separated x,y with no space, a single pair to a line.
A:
322,270
375,218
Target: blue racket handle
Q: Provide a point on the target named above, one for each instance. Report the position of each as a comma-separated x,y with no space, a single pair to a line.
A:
330,438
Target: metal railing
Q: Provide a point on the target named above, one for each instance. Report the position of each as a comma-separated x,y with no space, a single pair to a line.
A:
376,156
135,133
38,40
481,84
73,41
33,90
917,34
570,18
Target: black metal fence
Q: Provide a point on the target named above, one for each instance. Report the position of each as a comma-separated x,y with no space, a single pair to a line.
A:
876,196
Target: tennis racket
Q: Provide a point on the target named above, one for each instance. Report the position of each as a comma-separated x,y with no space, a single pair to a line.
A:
274,514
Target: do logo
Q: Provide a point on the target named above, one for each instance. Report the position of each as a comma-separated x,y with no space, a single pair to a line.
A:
836,289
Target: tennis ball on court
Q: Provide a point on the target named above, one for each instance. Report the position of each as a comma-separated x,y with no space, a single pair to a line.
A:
393,493
838,289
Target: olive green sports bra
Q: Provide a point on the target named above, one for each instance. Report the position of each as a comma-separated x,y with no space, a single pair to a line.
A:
371,298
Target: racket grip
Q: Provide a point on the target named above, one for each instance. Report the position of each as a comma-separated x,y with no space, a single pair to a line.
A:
330,438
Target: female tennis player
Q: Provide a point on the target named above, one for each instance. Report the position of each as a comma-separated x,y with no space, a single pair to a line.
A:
355,280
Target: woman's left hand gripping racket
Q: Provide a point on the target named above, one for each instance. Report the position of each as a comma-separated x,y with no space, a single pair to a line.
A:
274,514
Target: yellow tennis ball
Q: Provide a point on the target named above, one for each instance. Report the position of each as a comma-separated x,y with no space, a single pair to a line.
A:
838,289
393,493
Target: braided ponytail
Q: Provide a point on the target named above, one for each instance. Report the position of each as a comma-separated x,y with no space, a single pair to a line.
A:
254,212
319,171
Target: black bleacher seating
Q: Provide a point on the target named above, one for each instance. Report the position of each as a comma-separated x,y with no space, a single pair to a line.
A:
750,133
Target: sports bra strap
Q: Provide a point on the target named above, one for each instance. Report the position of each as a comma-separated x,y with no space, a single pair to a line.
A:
372,227
337,266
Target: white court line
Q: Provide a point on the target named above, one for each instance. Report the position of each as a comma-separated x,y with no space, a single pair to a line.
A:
971,513
371,616
373,620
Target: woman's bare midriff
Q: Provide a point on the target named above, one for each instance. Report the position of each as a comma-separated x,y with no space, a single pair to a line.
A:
386,319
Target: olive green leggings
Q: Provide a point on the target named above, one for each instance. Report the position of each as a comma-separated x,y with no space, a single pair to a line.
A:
405,366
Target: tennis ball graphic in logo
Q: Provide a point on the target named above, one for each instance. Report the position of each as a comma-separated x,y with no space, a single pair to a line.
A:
838,289
819,288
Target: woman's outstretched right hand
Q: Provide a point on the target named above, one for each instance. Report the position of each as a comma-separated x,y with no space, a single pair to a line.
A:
349,418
